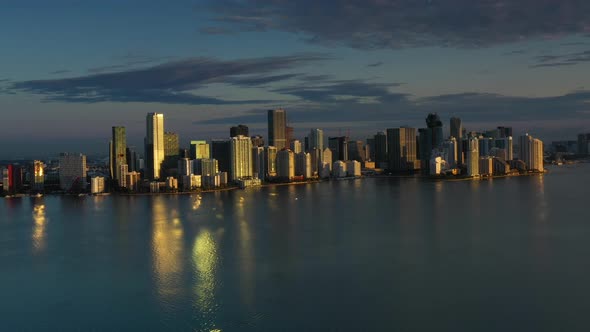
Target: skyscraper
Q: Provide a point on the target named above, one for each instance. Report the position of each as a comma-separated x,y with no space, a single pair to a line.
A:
270,161
118,152
401,144
288,136
238,130
258,164
457,133
154,145
380,149
472,157
296,146
277,124
240,158
339,147
316,139
303,164
286,164
72,171
435,125
37,175
531,152
450,151
199,150
220,150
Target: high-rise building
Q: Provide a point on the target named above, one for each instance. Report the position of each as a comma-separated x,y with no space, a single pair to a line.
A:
450,152
97,185
288,136
327,157
472,157
118,155
270,161
506,144
154,145
380,149
356,151
531,152
185,167
122,171
424,147
296,146
37,175
13,176
436,126
240,158
72,171
339,147
277,126
258,164
206,167
199,150
220,150
171,152
457,133
132,179
132,160
303,164
257,140
286,164
401,144
316,139
238,130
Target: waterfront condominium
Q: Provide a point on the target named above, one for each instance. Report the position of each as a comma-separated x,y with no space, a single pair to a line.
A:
118,155
277,127
240,158
531,152
72,171
154,144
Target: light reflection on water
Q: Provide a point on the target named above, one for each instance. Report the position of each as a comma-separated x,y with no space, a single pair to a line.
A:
205,259
167,249
39,221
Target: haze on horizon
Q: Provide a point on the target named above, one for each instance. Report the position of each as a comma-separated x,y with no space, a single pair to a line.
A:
70,69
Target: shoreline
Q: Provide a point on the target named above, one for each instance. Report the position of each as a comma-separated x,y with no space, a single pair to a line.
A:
267,185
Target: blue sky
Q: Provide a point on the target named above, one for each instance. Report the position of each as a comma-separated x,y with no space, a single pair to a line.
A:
72,69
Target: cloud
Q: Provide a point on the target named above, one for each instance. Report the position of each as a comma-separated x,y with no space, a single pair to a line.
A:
61,71
352,91
568,59
382,24
172,82
376,64
482,108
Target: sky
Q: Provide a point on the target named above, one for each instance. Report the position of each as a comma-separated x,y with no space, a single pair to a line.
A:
70,70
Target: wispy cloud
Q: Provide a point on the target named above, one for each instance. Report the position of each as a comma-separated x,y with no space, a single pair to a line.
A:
172,82
58,72
375,64
568,59
379,24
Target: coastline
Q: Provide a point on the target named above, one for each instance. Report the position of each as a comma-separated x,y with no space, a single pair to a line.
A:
267,185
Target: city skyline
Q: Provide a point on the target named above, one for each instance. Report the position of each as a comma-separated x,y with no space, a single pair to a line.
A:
212,64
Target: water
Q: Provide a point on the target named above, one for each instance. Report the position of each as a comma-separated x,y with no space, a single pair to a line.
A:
366,255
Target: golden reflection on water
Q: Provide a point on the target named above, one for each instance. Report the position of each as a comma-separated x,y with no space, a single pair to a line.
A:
205,264
245,252
39,219
167,248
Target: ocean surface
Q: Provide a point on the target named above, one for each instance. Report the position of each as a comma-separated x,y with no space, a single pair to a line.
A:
388,254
